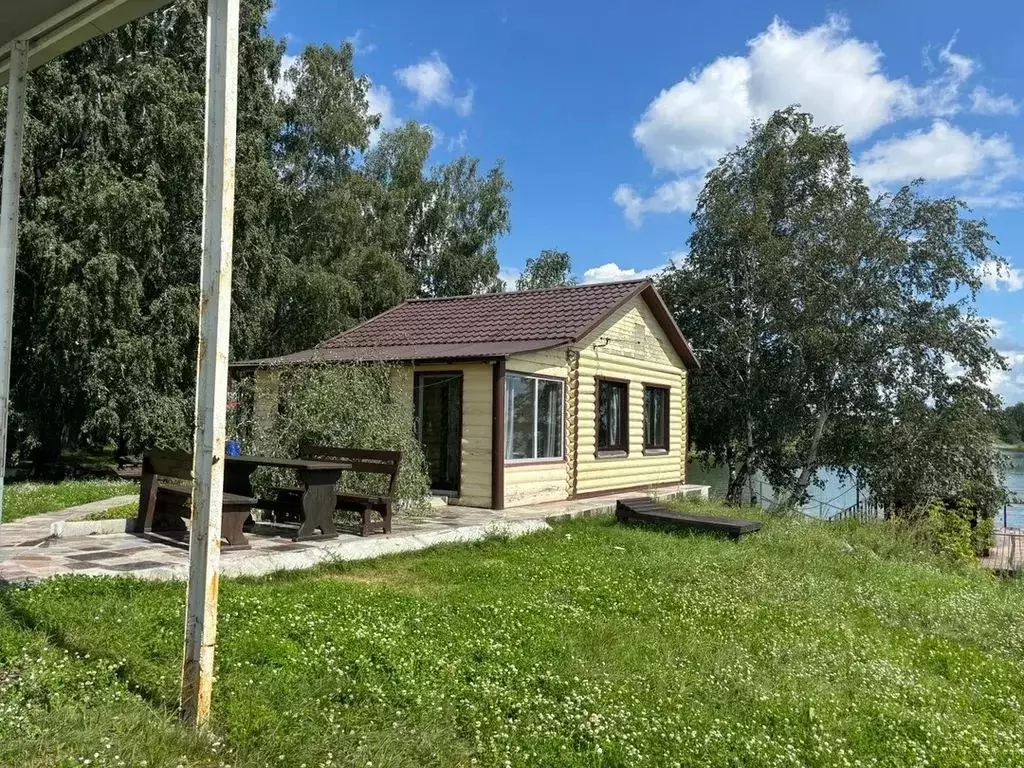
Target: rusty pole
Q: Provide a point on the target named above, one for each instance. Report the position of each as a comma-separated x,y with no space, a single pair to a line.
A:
10,198
212,368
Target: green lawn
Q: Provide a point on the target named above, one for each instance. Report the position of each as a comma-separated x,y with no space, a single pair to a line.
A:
590,645
24,499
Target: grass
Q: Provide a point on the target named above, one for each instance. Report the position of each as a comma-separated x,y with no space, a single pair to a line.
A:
120,512
25,499
589,645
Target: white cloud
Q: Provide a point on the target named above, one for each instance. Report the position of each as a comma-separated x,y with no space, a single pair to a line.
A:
611,272
984,102
358,46
381,103
431,81
840,80
836,77
458,142
994,276
941,95
995,200
285,85
463,105
509,275
678,195
942,152
997,326
1009,384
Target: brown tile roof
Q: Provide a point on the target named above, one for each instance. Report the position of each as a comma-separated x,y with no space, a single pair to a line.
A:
485,325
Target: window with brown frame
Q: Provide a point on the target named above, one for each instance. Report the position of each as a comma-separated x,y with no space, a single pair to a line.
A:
612,417
655,418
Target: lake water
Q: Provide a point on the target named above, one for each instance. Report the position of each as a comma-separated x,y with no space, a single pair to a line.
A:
833,492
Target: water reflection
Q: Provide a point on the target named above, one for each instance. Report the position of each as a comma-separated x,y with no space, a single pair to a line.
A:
833,492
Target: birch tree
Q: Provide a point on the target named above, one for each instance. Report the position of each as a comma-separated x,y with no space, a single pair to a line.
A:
819,309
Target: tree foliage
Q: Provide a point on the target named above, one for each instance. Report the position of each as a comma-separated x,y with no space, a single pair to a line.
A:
1010,424
331,227
355,406
550,269
828,318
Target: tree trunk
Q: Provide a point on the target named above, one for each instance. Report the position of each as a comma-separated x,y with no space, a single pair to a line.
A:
750,447
46,457
738,482
811,460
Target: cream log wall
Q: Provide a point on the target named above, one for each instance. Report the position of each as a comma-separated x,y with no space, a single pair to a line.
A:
631,345
531,482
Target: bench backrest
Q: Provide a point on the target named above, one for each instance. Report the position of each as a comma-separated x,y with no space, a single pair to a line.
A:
370,461
176,464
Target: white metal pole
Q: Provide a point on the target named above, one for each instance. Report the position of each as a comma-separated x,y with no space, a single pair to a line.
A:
10,193
212,369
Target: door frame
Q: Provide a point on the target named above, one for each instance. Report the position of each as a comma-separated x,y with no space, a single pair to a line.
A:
417,379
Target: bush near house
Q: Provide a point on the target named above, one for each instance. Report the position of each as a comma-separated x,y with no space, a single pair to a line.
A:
352,406
589,645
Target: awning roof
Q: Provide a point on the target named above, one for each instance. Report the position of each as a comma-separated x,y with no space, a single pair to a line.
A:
56,26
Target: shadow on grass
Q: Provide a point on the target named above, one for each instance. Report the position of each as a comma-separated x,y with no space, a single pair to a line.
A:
683,531
23,619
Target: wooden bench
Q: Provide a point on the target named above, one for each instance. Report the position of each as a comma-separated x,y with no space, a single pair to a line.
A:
369,462
163,505
647,511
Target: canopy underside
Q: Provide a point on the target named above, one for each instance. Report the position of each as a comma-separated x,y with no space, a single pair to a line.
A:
55,26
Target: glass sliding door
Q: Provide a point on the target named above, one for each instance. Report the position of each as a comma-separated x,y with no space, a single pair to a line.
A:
438,400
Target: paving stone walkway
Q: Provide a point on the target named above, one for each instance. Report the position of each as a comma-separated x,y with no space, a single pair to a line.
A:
28,554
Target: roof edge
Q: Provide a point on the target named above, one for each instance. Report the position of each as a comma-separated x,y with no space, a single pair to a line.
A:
310,356
556,289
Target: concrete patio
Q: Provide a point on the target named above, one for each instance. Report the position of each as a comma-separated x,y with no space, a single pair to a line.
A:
29,554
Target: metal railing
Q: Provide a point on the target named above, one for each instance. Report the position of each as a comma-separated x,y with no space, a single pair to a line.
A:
1006,555
865,509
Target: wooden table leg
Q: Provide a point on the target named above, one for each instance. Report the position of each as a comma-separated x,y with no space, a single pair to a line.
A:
318,501
232,519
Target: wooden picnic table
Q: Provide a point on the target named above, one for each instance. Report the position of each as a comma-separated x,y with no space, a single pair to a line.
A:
317,481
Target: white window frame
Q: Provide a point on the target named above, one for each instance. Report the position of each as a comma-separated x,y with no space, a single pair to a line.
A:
510,417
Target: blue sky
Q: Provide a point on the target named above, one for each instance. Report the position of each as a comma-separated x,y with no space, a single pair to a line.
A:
607,115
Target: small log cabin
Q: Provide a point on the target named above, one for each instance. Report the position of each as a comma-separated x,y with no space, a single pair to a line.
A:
533,396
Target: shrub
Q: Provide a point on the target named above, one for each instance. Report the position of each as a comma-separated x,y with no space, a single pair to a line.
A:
949,531
982,535
954,528
352,406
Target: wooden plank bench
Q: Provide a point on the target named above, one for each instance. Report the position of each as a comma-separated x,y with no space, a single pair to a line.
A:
647,511
377,462
163,505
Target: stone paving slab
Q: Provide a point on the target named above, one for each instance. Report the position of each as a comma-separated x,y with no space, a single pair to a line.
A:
28,557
